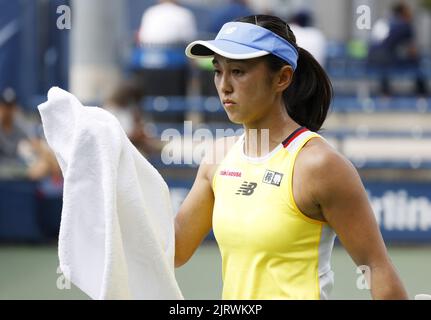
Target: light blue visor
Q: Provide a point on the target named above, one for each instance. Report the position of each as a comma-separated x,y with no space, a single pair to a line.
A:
242,40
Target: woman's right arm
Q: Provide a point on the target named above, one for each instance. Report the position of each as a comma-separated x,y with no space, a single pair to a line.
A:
194,219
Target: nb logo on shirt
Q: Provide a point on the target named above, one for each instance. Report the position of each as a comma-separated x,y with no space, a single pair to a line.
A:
247,188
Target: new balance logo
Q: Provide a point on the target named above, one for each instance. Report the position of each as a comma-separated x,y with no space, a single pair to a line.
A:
272,177
247,188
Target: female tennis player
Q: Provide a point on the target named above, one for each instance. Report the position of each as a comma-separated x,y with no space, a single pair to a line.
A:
275,214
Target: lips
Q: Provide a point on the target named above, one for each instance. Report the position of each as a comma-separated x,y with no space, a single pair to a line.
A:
228,102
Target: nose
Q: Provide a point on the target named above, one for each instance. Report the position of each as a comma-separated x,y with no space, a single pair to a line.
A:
225,85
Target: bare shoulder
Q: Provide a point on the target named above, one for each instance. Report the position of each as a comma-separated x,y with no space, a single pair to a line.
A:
322,165
317,154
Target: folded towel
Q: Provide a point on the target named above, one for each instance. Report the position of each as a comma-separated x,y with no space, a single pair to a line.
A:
117,231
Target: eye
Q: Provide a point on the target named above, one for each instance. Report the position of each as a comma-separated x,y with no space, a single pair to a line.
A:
216,71
237,72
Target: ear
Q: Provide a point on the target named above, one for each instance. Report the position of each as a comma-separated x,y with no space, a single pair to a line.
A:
284,78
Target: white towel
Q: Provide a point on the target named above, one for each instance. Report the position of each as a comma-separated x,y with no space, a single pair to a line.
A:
117,225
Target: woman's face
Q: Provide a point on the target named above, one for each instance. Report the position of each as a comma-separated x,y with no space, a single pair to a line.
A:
245,88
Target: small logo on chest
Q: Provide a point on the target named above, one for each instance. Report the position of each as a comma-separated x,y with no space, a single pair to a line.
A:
247,188
272,177
229,173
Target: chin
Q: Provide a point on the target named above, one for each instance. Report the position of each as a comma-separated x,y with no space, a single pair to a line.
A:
235,118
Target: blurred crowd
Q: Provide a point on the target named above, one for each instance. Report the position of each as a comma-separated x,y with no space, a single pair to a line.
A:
391,47
394,47
162,69
24,153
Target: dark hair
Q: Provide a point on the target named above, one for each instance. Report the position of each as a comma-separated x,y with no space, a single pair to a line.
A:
302,18
309,95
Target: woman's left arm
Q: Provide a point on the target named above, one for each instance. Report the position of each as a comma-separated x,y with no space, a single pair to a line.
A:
337,190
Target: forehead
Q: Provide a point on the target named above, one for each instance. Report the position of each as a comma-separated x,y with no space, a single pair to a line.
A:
218,59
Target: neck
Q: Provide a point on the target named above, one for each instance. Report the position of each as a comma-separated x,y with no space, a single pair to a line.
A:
262,136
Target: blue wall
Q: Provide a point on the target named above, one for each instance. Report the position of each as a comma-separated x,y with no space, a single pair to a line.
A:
34,56
31,211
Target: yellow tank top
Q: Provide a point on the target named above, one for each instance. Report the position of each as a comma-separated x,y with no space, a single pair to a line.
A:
269,248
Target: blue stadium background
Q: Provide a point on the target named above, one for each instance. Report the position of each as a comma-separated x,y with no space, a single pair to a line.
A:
34,57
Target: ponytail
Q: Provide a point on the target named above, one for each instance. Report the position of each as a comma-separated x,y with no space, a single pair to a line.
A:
309,96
